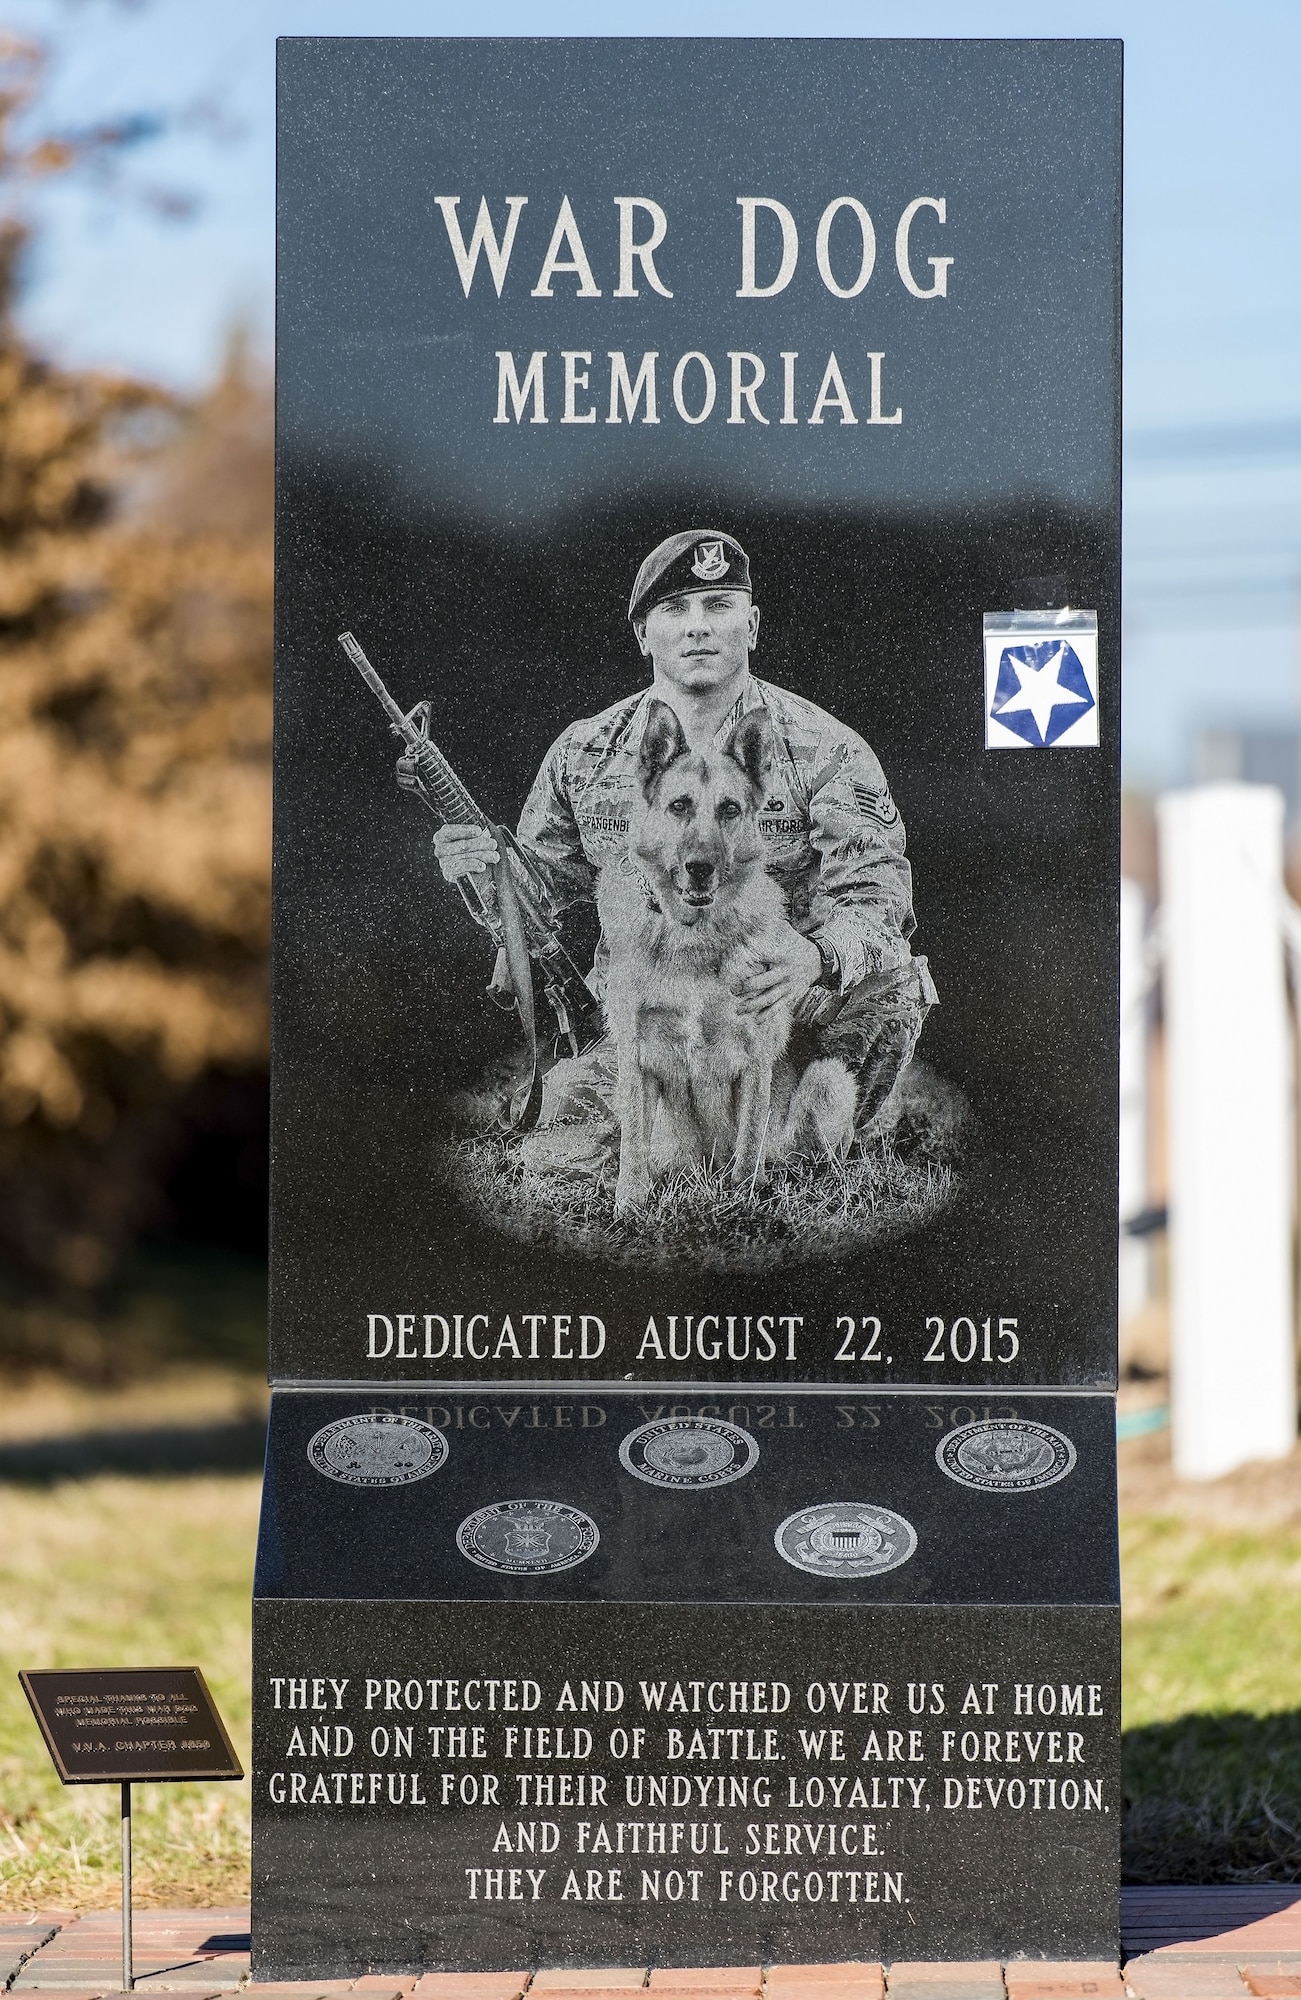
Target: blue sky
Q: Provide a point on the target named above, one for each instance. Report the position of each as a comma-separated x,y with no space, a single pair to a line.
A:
1213,270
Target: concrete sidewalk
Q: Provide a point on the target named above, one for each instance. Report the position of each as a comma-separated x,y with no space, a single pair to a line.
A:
1180,1944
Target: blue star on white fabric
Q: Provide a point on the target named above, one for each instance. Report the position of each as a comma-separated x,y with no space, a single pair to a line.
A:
1041,690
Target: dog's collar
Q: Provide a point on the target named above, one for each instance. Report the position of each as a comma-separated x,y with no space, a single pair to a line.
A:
644,884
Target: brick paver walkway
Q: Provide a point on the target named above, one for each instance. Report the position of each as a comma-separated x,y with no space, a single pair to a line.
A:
1187,1944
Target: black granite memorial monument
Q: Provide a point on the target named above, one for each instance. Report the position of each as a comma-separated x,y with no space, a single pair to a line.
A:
689,1530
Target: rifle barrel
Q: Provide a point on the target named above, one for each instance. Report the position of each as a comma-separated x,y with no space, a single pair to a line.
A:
374,683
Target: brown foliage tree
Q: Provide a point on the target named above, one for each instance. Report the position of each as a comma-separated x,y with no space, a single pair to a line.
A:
135,725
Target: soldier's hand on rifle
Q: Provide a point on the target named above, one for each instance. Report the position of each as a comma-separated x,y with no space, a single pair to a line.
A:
464,850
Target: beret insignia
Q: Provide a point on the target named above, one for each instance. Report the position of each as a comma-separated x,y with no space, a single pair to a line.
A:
710,563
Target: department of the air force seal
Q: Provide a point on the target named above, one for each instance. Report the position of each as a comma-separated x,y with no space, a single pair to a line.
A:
846,1538
689,1452
1006,1455
527,1537
377,1449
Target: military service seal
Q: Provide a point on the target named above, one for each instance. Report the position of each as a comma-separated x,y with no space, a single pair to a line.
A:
1006,1455
377,1449
689,1453
527,1537
845,1538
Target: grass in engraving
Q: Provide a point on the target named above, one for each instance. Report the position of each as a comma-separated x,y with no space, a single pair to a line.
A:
809,1210
123,1571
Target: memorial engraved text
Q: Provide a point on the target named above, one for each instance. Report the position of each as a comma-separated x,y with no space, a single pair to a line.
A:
710,1790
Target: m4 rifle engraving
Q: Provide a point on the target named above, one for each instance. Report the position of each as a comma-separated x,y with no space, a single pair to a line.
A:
423,770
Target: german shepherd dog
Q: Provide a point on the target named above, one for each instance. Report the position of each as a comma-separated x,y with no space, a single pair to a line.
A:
698,1080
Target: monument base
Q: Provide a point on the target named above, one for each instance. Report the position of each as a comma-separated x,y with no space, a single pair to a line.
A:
685,1746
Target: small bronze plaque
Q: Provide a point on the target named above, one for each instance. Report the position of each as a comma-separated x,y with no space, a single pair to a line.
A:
130,1725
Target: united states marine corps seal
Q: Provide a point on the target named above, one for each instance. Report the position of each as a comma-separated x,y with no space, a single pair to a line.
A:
377,1449
527,1537
846,1538
689,1453
1006,1455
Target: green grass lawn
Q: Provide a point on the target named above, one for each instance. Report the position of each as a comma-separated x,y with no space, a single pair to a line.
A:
1212,1698
120,1569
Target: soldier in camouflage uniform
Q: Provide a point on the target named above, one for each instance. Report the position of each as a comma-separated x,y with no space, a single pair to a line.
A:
835,840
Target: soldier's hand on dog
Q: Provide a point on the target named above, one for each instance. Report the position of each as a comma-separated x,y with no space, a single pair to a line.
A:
783,966
464,850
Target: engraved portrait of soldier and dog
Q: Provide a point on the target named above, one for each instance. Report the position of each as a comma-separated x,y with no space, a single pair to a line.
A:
735,1075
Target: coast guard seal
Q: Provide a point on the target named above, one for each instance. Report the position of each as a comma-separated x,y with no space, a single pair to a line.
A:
1006,1455
845,1538
527,1537
377,1449
689,1453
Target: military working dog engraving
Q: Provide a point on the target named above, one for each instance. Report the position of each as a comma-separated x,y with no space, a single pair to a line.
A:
700,1078
1006,1455
689,1453
527,1537
379,1449
845,1538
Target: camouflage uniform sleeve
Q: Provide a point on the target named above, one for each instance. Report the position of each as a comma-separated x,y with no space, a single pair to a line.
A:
865,883
548,831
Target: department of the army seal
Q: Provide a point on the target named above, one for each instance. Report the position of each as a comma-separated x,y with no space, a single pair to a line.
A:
689,1452
377,1449
527,1537
846,1538
1006,1455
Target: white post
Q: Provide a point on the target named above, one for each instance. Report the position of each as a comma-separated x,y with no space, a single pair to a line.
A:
1133,1099
1228,1056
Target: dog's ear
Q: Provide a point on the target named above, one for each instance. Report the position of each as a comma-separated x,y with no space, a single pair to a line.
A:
662,742
751,746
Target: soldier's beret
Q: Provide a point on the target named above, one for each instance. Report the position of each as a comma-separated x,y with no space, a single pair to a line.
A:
701,559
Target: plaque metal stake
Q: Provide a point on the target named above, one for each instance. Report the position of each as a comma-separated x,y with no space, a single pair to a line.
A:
70,1706
128,1974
